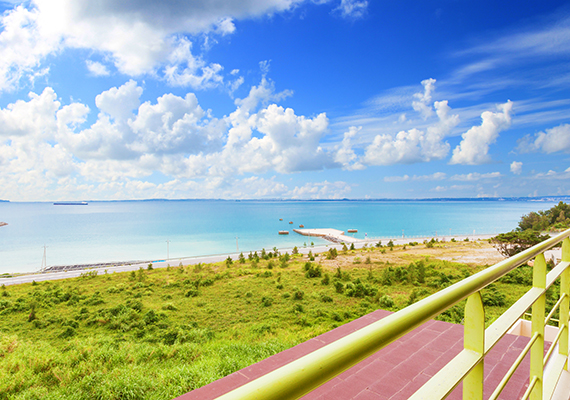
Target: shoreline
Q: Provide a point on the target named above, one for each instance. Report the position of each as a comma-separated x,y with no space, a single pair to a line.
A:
73,271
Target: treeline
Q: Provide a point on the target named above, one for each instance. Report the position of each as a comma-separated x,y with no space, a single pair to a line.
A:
528,232
557,218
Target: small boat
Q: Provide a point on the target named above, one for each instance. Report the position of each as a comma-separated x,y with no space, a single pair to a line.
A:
291,222
301,226
71,203
352,230
280,219
283,232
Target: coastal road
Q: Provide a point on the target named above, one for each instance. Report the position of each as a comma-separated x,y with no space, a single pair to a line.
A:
174,262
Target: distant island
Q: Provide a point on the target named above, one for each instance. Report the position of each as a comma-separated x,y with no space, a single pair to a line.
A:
4,201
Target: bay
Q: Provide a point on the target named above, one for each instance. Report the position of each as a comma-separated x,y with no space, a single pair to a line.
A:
139,230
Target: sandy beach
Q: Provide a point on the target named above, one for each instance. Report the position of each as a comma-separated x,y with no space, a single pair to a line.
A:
486,254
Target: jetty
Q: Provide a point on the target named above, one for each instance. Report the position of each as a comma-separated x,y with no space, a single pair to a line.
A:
3,223
332,235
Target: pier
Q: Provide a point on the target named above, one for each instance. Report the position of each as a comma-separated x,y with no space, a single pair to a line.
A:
332,235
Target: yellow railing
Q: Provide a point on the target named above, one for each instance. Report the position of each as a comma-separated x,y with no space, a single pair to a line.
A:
309,372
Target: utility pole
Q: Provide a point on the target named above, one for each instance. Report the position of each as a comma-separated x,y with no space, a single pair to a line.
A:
167,249
237,246
44,260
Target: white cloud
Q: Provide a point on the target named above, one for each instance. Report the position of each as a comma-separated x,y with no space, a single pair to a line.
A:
415,145
321,190
516,167
474,146
553,140
353,8
423,102
436,176
139,37
97,69
345,154
45,146
475,176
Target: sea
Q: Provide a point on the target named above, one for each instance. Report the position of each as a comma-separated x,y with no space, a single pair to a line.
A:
113,231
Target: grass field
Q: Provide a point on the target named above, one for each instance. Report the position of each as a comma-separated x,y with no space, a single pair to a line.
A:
156,334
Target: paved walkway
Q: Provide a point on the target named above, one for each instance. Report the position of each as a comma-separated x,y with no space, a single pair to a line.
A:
394,372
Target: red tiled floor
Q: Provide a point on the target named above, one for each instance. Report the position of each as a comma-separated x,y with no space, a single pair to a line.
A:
394,372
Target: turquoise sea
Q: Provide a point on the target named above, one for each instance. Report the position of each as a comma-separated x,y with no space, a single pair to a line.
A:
139,230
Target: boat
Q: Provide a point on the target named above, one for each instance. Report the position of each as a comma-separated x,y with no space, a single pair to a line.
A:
290,222
71,203
280,219
352,230
283,232
301,226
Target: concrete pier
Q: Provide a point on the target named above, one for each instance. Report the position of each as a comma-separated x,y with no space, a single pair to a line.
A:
332,235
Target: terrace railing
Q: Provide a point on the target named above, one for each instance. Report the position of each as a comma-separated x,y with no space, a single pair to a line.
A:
309,372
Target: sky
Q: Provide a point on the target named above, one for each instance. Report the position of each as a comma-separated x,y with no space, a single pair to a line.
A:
283,99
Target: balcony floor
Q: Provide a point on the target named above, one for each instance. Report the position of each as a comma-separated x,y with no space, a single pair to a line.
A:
394,372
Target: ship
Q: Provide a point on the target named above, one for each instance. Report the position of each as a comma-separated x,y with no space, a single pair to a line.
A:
71,203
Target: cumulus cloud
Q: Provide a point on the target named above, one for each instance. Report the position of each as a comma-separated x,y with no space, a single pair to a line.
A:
345,155
415,145
475,176
321,190
516,167
138,37
423,102
553,140
474,146
97,69
43,142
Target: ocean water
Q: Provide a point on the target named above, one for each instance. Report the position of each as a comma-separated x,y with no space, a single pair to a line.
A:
139,230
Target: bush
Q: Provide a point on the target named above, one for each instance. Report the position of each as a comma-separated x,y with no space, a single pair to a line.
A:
298,294
313,271
332,254
386,301
295,250
326,280
326,299
266,301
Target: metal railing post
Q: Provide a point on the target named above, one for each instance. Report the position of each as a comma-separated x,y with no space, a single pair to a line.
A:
565,305
474,340
537,349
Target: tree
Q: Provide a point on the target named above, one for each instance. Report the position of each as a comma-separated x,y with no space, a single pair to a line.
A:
555,218
511,243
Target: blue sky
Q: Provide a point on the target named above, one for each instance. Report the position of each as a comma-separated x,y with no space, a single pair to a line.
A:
283,99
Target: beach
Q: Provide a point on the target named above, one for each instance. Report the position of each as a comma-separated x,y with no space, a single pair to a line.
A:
484,254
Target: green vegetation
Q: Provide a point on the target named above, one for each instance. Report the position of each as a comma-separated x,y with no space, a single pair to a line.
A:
511,243
528,231
557,218
159,333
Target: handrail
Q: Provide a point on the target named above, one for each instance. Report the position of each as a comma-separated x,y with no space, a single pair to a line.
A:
314,369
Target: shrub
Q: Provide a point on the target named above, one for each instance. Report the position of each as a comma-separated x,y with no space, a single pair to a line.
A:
326,299
339,287
298,294
266,301
242,258
332,254
326,280
150,317
192,293
352,246
150,266
295,250
67,333
313,271
493,297
386,301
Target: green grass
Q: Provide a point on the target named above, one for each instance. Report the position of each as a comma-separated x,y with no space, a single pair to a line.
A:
156,334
